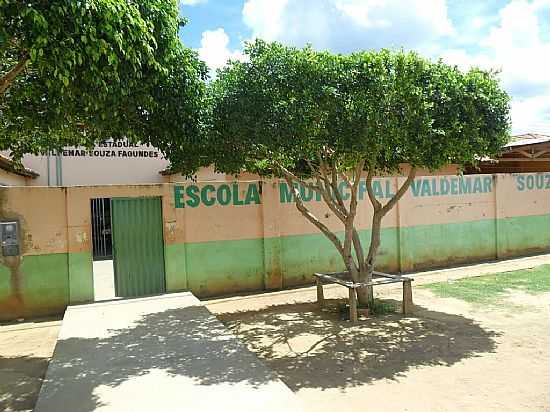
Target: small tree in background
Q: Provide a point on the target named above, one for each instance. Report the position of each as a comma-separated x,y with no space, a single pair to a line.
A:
80,72
316,119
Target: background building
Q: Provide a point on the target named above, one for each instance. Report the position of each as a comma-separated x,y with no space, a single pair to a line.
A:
10,175
525,153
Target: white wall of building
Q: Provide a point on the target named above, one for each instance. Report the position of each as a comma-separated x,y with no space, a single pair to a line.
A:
109,163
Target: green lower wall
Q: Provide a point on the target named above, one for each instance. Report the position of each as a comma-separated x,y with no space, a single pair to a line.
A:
44,283
175,267
219,268
429,246
303,255
225,267
50,282
523,235
81,283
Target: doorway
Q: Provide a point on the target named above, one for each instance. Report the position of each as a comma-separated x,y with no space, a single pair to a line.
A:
128,247
102,249
138,246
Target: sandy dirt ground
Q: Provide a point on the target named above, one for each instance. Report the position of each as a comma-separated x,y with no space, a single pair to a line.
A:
25,350
449,356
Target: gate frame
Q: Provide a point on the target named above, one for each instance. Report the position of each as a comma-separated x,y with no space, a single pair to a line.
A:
160,198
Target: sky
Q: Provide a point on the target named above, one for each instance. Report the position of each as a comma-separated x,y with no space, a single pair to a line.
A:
512,36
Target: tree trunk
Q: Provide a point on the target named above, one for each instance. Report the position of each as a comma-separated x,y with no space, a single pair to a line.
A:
326,184
365,295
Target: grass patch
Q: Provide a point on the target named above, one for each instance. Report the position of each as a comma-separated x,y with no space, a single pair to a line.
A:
379,307
489,289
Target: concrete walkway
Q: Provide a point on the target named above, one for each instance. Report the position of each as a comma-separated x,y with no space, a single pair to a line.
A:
166,353
104,280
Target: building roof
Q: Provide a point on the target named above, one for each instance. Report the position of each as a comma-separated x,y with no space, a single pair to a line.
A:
10,166
527,140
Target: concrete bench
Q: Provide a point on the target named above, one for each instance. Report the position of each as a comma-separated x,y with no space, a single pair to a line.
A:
379,278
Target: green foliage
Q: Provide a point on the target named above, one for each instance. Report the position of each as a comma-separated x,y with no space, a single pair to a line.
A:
286,105
491,289
380,307
97,69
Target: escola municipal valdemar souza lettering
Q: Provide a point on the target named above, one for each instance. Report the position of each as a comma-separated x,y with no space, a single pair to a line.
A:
210,195
230,194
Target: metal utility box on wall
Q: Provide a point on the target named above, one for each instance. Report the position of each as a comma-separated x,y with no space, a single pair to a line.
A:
9,238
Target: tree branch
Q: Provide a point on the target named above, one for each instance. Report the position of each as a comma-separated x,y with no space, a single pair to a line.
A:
9,77
391,203
375,203
312,218
350,220
331,196
359,252
299,180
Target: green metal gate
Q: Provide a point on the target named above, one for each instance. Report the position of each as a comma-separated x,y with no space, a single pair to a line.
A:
138,246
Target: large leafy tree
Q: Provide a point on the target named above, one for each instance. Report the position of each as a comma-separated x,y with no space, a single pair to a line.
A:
79,72
318,119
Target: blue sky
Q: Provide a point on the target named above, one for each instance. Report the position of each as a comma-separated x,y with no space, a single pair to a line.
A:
512,36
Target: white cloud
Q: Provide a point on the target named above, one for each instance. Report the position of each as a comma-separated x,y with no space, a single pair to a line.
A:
215,50
348,25
510,41
515,46
531,115
464,61
265,17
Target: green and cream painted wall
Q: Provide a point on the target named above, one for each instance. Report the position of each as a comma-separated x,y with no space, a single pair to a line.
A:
230,237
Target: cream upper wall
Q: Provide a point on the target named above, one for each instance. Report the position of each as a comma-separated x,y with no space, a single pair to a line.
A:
57,220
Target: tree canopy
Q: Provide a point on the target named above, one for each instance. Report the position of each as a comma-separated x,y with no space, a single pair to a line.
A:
287,105
300,113
75,73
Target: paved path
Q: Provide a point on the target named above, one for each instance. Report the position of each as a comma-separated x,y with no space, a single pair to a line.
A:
104,280
166,353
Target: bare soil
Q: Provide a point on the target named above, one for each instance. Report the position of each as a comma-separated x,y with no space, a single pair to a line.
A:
25,350
449,356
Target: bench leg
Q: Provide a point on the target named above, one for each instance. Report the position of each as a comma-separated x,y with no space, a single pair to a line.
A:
408,305
352,305
320,296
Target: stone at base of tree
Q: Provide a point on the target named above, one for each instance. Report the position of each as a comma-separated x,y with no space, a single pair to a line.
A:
320,296
408,305
363,312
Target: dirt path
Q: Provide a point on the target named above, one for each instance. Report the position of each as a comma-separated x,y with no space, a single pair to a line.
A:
451,356
25,350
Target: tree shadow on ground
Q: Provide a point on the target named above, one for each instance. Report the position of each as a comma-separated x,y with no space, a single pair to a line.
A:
302,345
20,380
309,348
188,342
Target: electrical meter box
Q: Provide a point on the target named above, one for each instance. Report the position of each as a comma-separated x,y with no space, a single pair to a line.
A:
9,238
